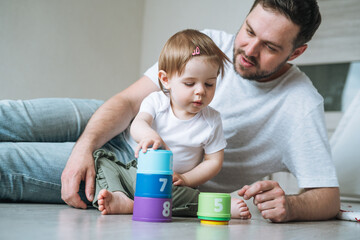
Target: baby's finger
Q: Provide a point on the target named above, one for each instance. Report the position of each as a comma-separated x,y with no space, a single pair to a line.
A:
156,145
137,149
178,182
145,146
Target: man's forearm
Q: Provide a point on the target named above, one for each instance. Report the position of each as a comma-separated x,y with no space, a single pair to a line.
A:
314,204
114,115
109,120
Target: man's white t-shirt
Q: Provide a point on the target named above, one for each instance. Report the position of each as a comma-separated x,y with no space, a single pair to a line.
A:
187,139
269,127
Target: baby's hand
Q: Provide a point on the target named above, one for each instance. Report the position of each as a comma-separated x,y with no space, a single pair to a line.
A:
154,142
178,179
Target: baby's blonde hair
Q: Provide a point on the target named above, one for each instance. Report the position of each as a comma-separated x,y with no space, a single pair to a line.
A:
178,50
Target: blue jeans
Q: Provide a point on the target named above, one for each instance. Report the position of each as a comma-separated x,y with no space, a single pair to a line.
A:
36,139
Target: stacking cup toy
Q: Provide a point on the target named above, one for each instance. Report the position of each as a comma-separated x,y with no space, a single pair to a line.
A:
214,208
153,185
153,192
152,209
155,162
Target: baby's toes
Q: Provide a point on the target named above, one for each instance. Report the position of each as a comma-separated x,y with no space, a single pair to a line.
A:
245,214
242,204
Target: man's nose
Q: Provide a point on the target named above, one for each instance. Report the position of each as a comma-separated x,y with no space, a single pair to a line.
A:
253,47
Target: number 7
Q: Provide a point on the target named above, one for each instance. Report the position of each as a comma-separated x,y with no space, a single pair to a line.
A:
164,182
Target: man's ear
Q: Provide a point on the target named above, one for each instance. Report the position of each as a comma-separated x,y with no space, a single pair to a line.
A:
164,79
297,52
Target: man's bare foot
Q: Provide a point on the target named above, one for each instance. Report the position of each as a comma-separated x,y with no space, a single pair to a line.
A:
114,203
239,209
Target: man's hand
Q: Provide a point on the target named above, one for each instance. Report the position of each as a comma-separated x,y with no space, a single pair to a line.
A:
112,118
269,198
311,205
80,167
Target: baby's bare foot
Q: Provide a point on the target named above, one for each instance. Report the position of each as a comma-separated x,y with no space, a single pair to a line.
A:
114,203
239,209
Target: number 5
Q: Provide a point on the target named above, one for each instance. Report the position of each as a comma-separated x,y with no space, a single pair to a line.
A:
218,205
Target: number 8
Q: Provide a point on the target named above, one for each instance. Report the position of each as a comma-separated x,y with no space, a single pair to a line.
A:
166,211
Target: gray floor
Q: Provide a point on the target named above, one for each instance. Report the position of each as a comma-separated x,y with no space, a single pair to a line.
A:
46,221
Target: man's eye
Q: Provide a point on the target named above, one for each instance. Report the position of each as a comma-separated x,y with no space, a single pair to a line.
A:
250,32
271,48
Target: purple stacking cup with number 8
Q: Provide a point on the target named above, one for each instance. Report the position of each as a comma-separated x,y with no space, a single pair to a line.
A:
152,202
152,209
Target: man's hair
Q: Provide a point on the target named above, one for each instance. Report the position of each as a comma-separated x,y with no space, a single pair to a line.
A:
179,49
304,13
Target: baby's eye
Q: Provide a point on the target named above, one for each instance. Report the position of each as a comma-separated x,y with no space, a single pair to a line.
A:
189,84
209,84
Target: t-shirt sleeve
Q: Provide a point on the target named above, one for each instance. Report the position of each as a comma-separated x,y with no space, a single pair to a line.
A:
150,104
152,73
222,39
308,155
216,141
213,34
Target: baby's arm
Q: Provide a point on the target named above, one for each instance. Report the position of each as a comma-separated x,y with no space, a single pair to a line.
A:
203,172
144,135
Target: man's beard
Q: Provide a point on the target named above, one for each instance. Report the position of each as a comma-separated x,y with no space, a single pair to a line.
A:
259,74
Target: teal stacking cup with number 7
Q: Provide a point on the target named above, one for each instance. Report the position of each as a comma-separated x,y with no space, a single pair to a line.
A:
153,185
214,207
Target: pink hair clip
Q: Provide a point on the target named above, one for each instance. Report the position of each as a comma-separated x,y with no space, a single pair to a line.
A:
196,51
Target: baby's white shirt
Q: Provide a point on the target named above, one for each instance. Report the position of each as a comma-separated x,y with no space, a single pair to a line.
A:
187,139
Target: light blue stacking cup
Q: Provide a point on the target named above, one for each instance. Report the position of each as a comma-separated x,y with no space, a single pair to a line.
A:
155,162
153,185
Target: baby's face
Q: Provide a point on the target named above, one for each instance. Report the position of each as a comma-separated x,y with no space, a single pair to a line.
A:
195,88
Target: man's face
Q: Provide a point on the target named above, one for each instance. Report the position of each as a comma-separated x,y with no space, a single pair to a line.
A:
263,45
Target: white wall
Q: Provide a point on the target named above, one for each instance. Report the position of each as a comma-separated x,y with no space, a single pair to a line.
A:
94,49
68,48
163,18
337,39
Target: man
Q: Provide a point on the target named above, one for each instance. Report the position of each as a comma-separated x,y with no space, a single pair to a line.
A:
272,116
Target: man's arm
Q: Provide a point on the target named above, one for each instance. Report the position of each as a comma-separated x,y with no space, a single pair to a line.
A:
109,120
313,204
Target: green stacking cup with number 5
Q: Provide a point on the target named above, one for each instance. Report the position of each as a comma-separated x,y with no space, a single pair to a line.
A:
214,206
